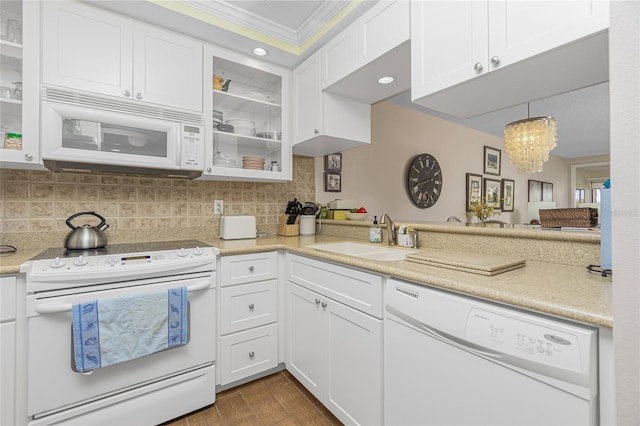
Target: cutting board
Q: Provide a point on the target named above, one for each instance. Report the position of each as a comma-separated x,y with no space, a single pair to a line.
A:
475,263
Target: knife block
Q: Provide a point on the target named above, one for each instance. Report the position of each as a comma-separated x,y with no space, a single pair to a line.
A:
288,230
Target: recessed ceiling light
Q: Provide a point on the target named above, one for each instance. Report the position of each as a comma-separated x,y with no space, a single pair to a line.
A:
259,51
385,80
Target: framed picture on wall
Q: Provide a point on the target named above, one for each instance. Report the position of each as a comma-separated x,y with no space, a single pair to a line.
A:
332,182
492,161
547,191
492,189
333,163
474,189
508,195
535,190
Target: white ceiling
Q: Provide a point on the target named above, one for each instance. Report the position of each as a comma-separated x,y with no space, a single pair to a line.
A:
292,30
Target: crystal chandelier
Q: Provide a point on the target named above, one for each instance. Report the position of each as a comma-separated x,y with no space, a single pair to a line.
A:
529,141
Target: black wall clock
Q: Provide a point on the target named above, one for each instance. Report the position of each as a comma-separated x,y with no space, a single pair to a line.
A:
424,180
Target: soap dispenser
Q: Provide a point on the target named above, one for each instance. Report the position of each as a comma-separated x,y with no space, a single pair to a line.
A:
375,233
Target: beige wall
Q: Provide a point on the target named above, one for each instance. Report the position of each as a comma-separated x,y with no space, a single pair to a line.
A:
41,201
374,175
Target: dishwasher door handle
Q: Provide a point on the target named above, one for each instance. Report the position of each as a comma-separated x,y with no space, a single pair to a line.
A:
447,338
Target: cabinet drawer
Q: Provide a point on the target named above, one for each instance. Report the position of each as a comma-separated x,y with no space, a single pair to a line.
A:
248,305
360,290
7,298
248,352
246,268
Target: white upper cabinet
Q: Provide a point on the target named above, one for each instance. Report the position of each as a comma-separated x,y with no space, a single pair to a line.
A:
375,45
247,106
472,57
88,49
324,122
19,78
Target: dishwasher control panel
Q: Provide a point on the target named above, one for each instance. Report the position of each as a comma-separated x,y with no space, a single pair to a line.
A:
527,338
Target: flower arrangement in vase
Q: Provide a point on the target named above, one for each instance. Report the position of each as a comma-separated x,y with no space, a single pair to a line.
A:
483,210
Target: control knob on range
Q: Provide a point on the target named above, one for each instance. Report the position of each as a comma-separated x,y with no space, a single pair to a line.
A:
182,252
80,261
57,263
198,251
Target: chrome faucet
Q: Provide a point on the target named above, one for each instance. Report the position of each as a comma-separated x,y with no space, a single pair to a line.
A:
385,219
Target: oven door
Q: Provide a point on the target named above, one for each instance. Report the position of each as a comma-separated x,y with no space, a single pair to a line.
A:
53,385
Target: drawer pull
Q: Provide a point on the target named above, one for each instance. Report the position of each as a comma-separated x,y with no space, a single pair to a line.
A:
317,301
324,305
252,306
252,354
251,268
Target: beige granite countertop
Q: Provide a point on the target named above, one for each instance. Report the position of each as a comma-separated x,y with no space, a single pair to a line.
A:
564,291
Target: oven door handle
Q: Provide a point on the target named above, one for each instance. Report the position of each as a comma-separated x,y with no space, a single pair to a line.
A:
53,308
200,286
57,308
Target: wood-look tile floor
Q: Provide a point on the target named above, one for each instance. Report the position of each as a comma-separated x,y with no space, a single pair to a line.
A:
278,399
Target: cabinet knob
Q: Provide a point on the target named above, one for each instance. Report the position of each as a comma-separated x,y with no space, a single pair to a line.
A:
127,93
316,131
251,268
208,169
252,306
252,354
324,305
28,157
138,95
317,301
495,60
477,67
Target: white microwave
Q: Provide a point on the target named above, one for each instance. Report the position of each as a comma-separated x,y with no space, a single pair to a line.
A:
101,135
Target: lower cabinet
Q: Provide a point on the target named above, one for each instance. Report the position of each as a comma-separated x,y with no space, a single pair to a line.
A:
8,350
248,339
335,351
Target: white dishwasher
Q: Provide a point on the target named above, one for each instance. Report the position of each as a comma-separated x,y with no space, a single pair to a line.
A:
453,360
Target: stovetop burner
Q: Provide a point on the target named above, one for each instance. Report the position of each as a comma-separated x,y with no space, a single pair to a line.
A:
115,249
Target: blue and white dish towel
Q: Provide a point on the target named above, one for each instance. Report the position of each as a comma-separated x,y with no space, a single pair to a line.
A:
110,331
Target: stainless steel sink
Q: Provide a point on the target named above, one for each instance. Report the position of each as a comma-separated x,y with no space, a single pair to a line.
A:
366,251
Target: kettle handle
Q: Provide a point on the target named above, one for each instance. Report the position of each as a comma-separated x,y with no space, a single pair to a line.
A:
102,223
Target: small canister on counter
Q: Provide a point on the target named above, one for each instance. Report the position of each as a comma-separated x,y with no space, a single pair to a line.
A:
13,141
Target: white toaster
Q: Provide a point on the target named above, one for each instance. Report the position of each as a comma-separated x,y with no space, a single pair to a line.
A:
237,227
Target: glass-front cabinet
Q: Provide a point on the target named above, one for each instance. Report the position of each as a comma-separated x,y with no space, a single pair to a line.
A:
19,35
246,119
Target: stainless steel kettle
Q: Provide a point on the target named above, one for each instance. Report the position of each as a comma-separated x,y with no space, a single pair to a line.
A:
86,236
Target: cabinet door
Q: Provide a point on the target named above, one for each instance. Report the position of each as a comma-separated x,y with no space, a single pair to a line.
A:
8,368
522,29
20,62
339,57
355,365
383,28
167,68
85,48
449,44
307,100
306,339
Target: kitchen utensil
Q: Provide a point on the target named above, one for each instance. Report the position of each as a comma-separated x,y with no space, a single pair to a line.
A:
86,236
294,208
310,208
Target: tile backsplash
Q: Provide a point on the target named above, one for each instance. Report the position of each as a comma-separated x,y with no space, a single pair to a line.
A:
41,201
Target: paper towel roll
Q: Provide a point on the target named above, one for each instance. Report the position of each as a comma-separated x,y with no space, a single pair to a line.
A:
605,229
